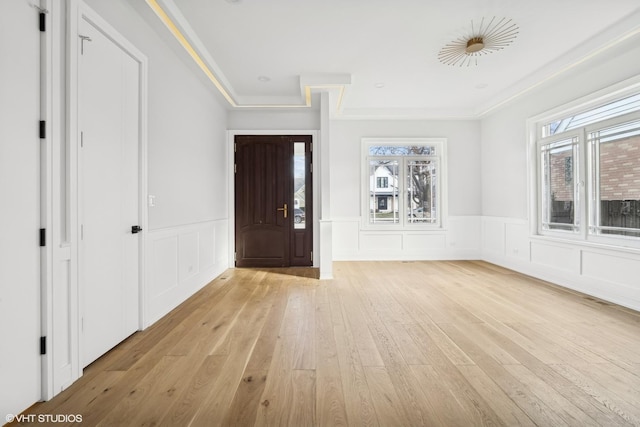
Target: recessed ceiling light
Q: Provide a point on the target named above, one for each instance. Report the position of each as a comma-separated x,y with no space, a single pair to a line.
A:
379,85
263,79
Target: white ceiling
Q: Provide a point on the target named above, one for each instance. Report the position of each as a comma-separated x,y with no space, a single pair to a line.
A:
356,44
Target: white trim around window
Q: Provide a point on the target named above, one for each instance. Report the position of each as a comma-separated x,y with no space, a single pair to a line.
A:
416,172
579,182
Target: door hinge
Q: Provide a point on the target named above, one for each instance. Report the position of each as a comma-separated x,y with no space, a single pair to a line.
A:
235,256
43,237
43,129
310,167
311,256
43,345
311,147
81,231
235,168
235,147
42,20
81,139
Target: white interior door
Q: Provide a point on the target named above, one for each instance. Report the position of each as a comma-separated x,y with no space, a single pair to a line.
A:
19,207
109,185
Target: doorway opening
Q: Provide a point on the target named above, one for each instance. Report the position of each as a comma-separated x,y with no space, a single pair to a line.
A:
273,201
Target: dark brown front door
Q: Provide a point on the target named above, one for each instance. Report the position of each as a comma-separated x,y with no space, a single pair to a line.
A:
273,201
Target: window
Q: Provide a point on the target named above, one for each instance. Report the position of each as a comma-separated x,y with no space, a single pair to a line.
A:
615,179
559,193
405,182
589,174
609,110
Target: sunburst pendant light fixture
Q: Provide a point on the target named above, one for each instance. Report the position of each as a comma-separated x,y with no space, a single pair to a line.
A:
486,39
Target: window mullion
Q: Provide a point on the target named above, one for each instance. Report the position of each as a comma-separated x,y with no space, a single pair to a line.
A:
582,159
402,191
597,208
546,184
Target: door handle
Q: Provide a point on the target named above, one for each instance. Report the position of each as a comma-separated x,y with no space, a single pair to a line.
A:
284,208
135,229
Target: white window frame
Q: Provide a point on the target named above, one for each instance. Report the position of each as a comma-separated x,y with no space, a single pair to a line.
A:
584,234
440,157
578,183
594,190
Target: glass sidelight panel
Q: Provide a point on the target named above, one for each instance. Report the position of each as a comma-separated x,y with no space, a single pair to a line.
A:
299,185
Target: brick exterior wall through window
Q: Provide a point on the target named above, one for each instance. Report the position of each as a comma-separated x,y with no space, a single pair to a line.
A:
562,176
620,170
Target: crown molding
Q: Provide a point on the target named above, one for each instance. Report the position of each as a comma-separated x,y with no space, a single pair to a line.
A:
338,84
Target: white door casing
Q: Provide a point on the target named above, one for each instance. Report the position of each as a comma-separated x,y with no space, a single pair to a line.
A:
109,177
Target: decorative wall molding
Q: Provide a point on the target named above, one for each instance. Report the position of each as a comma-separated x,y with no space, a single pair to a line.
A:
459,240
180,261
604,272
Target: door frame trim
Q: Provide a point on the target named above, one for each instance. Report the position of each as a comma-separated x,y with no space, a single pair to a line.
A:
231,134
63,179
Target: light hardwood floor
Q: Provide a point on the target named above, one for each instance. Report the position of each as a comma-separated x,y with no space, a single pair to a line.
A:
383,344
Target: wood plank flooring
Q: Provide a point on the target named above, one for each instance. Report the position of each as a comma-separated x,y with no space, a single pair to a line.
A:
457,343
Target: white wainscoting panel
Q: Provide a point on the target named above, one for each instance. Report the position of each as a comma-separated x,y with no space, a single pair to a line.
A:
416,242
180,261
516,238
376,242
464,233
189,258
493,235
601,271
614,268
163,273
555,257
459,240
208,248
346,238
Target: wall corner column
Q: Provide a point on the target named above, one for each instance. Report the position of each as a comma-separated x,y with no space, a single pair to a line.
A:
326,244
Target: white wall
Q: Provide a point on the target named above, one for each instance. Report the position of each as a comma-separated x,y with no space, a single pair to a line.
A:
462,236
265,119
506,236
19,207
187,122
